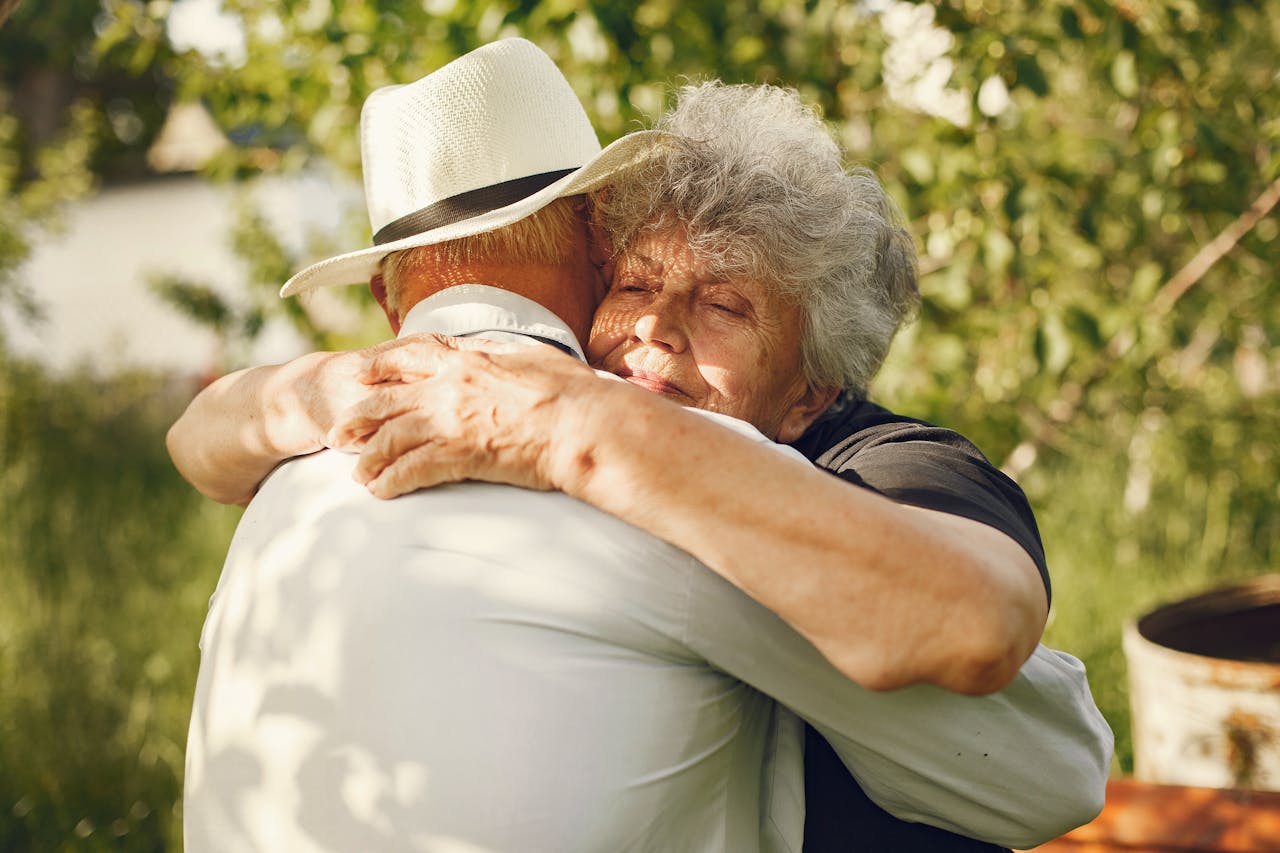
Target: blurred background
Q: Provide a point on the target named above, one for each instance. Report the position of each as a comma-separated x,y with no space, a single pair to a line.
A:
1091,186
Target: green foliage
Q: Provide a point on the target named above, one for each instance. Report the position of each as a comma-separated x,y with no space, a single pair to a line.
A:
31,205
1087,182
270,263
73,109
1052,333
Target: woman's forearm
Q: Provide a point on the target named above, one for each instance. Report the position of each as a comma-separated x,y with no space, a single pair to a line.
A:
245,423
891,595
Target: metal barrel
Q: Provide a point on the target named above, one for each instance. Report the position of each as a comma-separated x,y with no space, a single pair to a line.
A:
1204,683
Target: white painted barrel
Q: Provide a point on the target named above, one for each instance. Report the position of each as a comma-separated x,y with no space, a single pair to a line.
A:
1204,683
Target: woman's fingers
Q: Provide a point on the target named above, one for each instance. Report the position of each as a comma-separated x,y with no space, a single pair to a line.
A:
450,409
416,469
415,357
393,439
404,359
362,419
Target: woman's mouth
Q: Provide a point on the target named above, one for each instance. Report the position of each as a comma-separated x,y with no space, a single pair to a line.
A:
650,382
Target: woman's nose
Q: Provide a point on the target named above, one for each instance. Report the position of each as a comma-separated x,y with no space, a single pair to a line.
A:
661,325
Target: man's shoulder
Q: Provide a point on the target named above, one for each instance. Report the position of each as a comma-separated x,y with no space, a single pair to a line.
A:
318,490
748,430
324,469
328,474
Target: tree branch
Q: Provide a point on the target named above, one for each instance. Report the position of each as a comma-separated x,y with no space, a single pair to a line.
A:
1024,455
1187,277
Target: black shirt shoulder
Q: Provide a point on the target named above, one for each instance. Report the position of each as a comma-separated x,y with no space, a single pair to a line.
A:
920,464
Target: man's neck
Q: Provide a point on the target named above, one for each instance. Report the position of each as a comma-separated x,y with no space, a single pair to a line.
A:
563,289
477,310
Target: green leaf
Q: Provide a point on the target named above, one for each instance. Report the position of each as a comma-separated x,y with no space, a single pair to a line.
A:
1146,278
1124,74
1027,73
998,250
918,163
1069,23
1084,326
199,302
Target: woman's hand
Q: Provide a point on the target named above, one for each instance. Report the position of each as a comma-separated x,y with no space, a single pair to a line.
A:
447,409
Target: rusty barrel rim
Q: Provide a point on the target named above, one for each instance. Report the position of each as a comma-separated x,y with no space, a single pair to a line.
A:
1146,636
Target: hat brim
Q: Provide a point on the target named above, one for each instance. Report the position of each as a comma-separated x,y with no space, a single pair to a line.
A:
360,266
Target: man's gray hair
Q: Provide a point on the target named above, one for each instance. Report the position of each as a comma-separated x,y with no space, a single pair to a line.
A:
760,185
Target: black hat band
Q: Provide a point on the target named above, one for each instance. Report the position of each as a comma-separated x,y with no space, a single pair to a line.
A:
466,205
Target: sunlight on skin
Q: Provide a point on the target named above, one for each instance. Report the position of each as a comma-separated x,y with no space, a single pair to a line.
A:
725,345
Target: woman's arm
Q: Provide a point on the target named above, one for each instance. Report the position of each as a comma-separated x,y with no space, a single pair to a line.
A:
245,423
891,595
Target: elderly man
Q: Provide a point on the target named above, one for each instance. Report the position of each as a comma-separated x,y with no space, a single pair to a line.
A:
579,684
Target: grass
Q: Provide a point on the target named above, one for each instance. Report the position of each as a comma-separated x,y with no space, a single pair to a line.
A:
107,559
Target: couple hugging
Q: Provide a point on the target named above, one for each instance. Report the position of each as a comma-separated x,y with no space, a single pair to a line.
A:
635,610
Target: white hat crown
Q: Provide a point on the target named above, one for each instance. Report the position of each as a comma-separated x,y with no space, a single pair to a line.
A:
499,113
476,145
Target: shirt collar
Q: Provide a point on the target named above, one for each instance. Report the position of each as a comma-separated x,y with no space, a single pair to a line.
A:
468,310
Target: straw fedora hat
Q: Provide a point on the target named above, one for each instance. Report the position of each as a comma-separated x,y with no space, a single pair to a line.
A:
474,146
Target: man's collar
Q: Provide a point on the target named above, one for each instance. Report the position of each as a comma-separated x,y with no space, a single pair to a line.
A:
467,310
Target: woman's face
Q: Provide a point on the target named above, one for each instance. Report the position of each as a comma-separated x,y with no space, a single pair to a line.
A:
729,346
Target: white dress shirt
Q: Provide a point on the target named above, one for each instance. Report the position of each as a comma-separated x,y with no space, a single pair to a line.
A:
480,667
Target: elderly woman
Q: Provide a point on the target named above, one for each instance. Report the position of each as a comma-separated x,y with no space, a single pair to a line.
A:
754,278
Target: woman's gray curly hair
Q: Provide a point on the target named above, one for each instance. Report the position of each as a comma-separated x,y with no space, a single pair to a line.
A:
760,186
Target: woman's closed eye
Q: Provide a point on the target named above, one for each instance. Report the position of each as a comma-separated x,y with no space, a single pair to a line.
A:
632,285
728,304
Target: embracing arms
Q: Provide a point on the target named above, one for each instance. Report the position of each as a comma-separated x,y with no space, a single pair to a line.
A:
892,595
245,423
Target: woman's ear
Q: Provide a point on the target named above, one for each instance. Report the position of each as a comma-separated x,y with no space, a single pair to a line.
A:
813,402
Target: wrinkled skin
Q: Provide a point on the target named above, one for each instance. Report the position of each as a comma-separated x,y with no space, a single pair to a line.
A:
447,409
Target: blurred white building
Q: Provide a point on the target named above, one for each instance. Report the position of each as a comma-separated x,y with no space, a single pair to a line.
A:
92,280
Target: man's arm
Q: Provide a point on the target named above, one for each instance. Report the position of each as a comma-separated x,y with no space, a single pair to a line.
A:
891,595
1016,768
